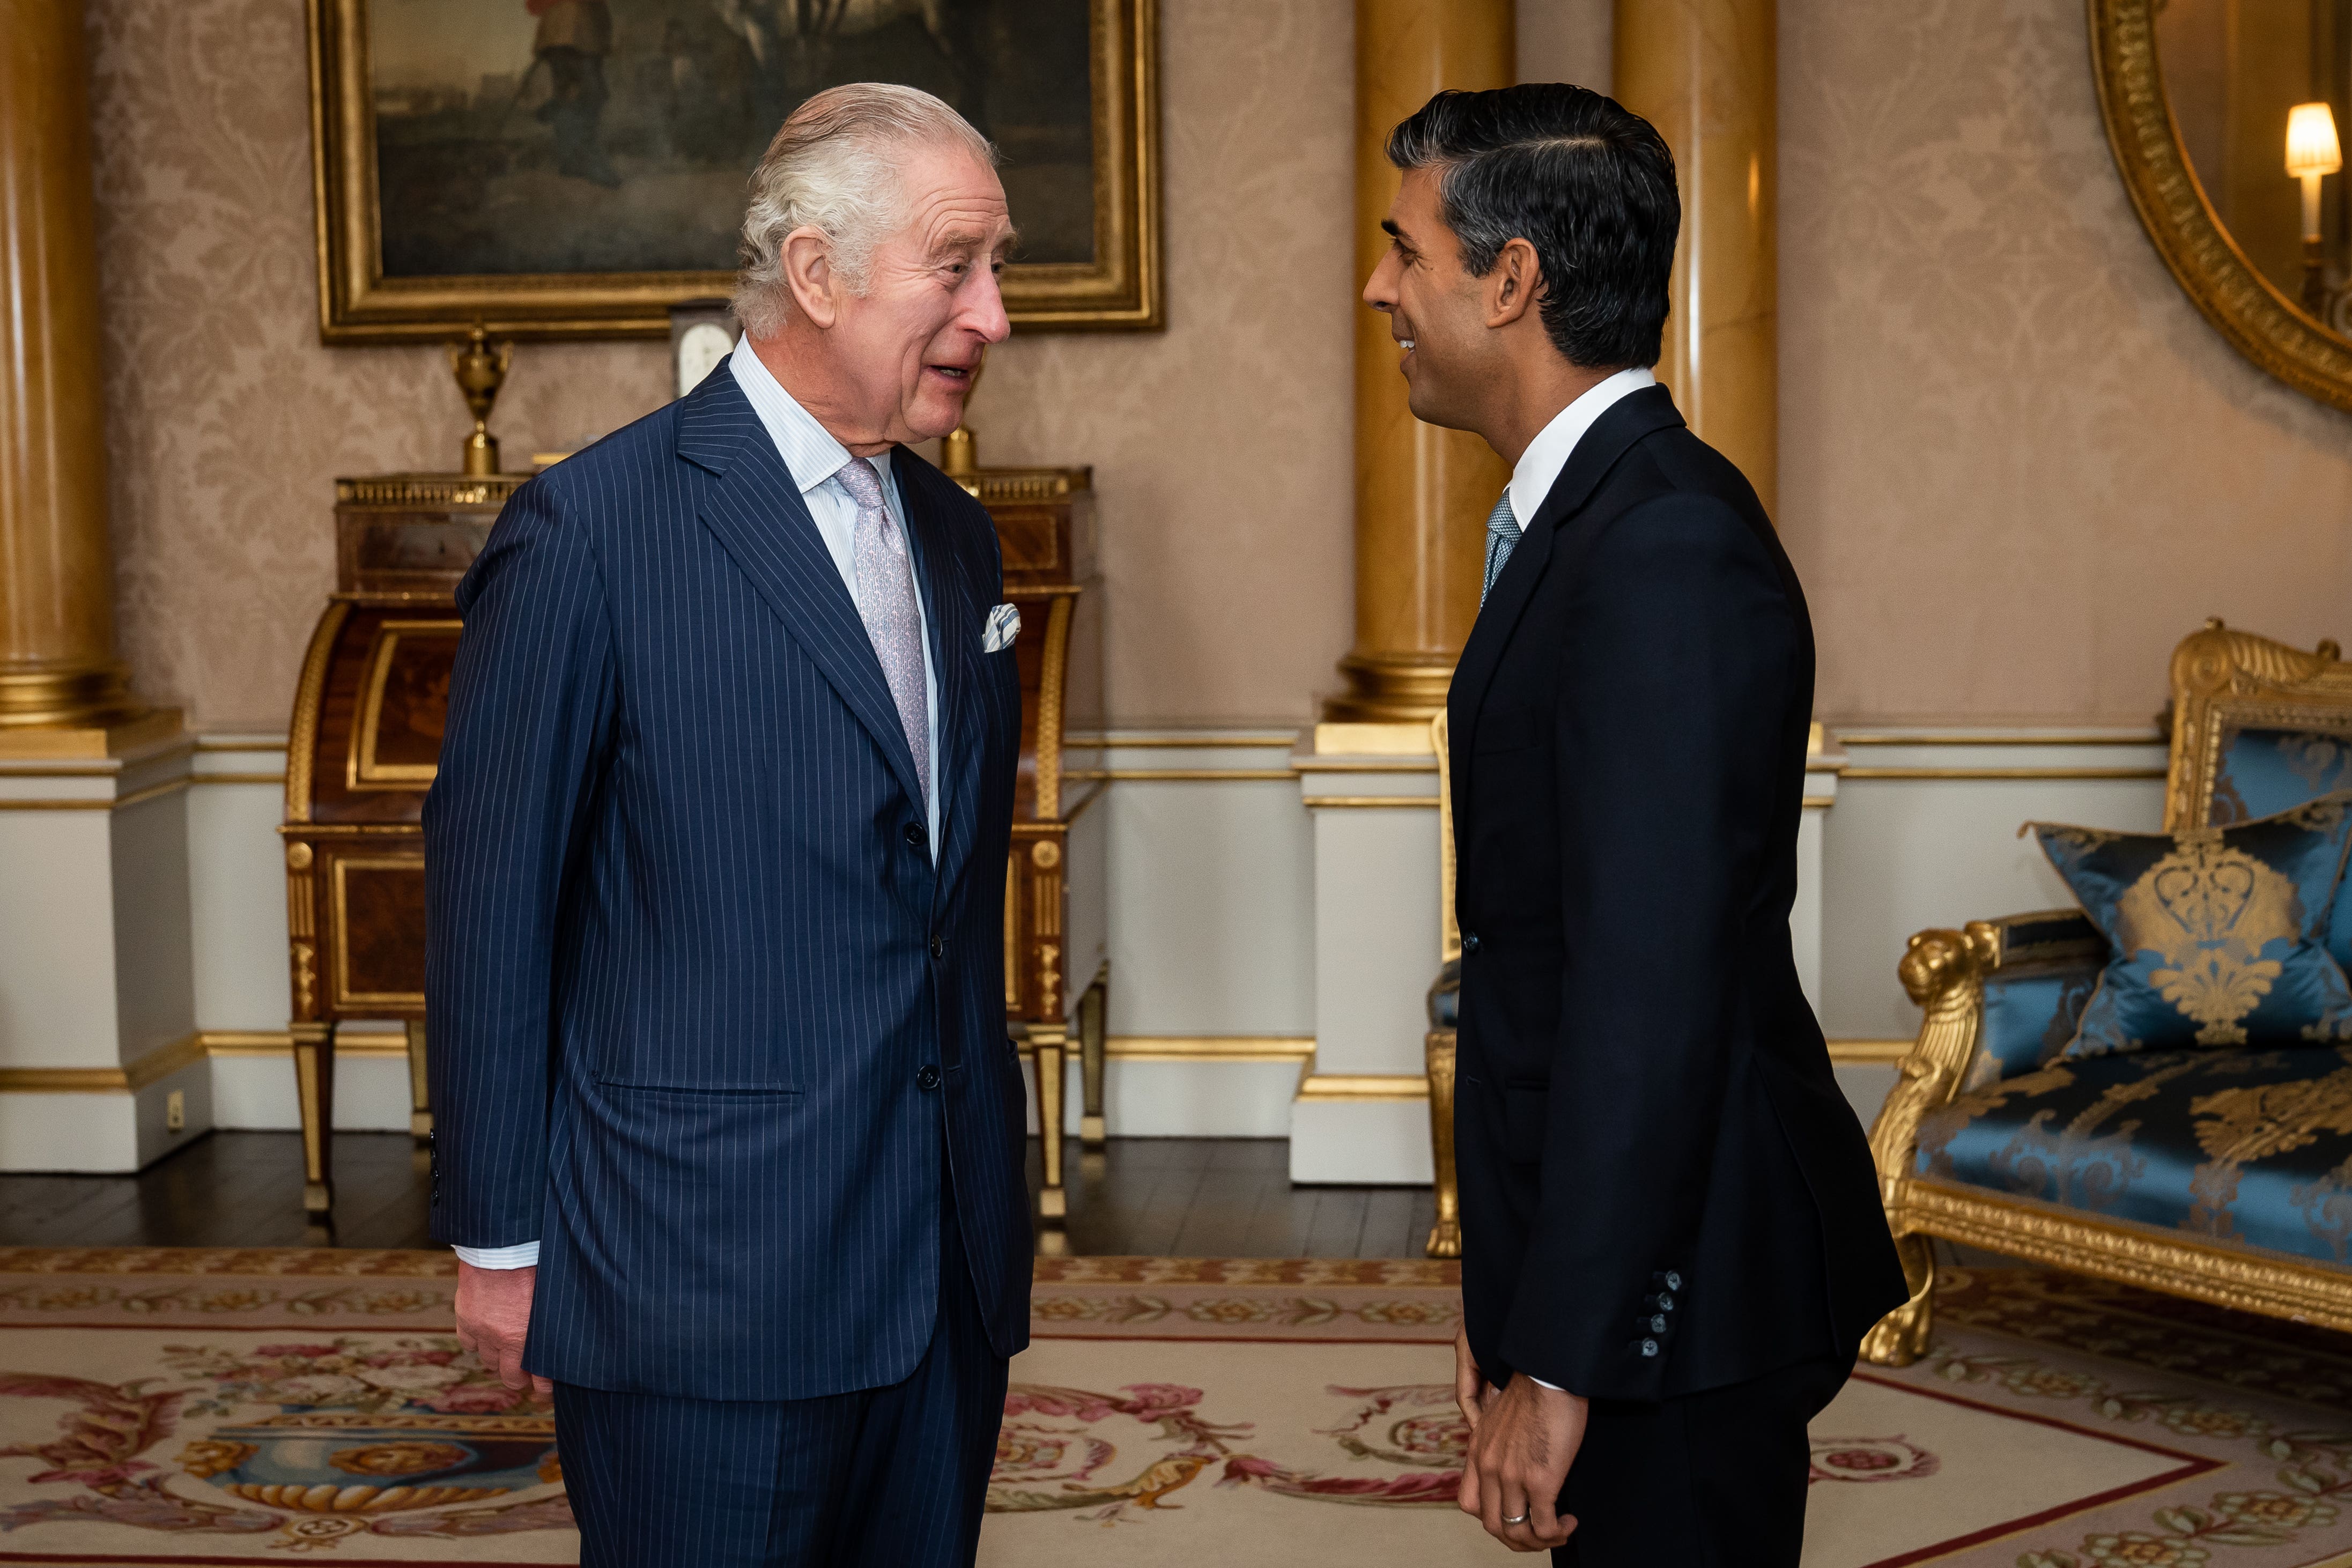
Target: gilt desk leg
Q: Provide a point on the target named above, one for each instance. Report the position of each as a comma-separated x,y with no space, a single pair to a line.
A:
420,1091
1047,1045
1091,1008
1445,1237
314,1083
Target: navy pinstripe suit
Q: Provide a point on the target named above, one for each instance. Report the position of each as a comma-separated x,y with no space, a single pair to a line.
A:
708,1020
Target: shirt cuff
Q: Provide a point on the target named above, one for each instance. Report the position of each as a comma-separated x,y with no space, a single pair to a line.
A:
521,1255
1539,1383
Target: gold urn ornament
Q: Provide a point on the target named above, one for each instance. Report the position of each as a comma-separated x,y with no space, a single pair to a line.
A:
480,370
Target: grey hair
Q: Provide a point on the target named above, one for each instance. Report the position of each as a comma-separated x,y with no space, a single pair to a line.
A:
832,168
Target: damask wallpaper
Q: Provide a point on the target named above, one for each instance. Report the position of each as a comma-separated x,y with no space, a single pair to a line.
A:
2016,464
1221,446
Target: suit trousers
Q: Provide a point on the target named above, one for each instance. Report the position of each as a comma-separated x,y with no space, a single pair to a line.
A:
1712,1479
882,1478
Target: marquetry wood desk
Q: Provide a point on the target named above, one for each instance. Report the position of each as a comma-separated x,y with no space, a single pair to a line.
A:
361,751
366,739
1056,963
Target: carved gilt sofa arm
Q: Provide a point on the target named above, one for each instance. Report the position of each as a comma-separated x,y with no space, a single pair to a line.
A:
2041,967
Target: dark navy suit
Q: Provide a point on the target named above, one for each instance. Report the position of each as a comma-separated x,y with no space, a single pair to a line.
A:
708,1021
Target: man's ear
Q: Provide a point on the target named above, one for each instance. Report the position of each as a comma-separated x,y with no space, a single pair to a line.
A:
1514,283
807,255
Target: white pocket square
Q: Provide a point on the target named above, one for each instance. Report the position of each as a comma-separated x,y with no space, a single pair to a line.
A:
1004,626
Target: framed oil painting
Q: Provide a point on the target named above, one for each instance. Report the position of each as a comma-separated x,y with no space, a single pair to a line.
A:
573,168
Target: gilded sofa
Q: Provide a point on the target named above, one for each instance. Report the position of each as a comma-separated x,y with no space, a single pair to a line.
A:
2220,1174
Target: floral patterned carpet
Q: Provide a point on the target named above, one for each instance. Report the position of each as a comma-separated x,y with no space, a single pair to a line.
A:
220,1407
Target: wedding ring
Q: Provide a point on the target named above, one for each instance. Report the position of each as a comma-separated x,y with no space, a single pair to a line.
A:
1521,1519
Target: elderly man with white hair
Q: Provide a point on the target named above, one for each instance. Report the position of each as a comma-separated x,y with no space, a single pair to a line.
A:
730,1138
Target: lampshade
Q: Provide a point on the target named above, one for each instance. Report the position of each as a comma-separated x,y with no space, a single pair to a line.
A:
2311,144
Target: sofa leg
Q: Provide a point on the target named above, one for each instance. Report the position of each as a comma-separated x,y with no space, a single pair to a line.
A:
1445,1237
1900,1338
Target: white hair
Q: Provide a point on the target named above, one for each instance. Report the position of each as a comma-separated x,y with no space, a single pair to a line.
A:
832,168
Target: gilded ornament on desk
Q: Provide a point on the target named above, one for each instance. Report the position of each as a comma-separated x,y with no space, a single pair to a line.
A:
480,370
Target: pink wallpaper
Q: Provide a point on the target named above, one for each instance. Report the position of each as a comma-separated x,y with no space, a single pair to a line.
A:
2016,464
1221,446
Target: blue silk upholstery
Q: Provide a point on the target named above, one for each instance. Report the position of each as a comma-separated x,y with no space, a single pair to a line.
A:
2216,933
2267,770
2251,1149
2031,1011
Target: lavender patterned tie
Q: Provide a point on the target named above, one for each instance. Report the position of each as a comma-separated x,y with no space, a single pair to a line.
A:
886,602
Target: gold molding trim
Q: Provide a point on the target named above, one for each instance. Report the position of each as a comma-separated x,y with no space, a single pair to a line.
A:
2018,737
1077,739
1364,1086
155,1066
194,779
2243,305
1054,669
1997,773
109,803
1814,801
2174,1263
258,745
1210,1047
1180,775
303,739
1368,800
1870,1053
281,1043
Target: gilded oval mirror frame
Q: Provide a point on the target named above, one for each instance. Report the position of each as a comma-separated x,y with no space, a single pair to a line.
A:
2247,308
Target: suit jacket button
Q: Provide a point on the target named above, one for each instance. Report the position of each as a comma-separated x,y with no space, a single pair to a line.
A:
1469,942
915,835
1649,1347
938,947
928,1077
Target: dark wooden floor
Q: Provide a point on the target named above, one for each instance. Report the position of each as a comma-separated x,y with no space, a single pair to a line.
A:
1175,1198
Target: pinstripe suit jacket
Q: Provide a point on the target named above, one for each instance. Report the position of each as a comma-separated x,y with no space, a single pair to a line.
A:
707,1018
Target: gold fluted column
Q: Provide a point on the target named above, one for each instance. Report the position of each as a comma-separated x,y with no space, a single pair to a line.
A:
1421,493
1702,71
61,690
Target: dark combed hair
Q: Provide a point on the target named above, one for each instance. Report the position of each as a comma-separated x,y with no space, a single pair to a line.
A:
1579,178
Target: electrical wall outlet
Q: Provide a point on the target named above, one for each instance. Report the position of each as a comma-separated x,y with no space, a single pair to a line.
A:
175,1111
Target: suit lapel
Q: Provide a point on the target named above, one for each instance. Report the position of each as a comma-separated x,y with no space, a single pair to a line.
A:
1614,435
753,507
955,634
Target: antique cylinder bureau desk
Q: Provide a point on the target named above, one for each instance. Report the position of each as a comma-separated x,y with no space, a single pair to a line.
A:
365,741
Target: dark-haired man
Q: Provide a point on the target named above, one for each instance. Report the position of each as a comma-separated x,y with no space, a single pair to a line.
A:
1672,1238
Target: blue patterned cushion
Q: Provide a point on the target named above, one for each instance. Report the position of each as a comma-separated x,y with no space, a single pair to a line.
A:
2216,934
2030,1011
2251,1149
2266,771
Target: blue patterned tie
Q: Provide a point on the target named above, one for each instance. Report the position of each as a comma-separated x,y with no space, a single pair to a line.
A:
1502,534
886,602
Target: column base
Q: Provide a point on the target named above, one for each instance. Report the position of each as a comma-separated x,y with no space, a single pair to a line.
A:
1361,1141
1392,689
101,736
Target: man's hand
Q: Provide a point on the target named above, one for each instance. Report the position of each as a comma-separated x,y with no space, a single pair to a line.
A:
493,1318
1521,1445
1470,1390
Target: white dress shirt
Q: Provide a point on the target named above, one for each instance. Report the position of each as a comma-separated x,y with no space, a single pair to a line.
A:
814,457
1539,466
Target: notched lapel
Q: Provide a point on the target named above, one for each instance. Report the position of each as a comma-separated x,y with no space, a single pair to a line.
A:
955,639
1614,435
754,508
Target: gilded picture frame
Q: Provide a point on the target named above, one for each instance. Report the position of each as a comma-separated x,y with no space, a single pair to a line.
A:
1114,284
2243,305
